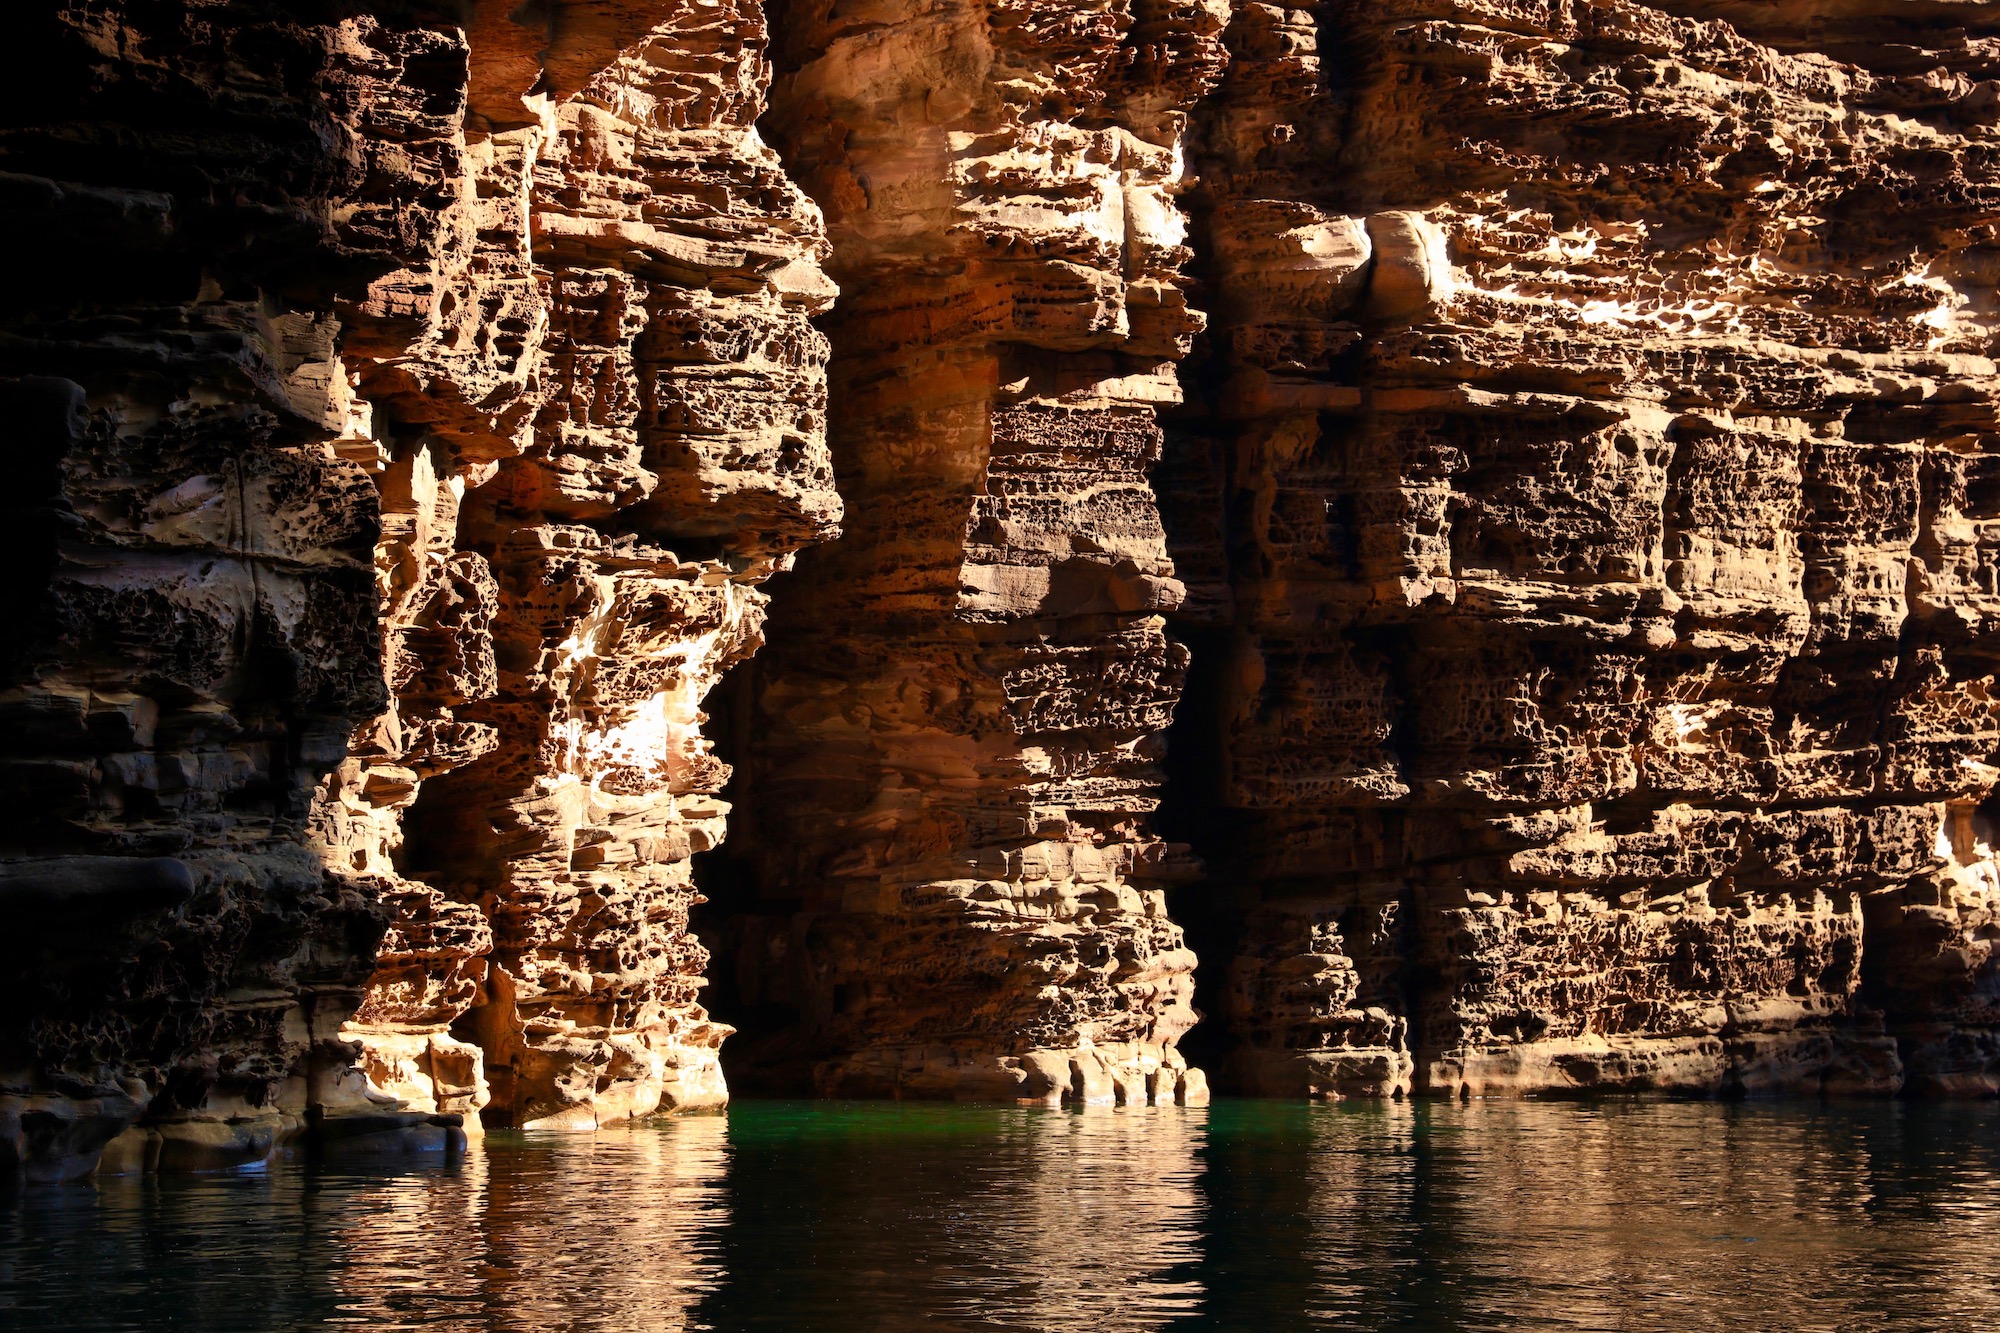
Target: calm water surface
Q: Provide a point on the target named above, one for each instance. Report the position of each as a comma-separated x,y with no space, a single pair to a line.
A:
1246,1215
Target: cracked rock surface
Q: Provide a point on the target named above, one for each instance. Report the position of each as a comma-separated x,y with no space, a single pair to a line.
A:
1589,467
1488,508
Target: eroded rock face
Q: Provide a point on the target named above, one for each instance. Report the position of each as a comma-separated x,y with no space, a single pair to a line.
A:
191,621
955,732
1579,557
420,362
1595,430
616,433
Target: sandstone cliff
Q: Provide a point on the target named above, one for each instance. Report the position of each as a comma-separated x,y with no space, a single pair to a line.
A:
1592,466
1547,444
609,409
410,406
192,616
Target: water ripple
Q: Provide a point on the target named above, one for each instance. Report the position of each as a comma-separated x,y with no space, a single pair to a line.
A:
1627,1216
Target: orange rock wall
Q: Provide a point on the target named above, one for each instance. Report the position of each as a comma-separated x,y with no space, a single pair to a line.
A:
953,741
1510,479
1589,457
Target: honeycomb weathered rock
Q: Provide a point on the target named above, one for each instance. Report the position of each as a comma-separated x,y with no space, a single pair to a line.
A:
1581,524
1590,474
456,360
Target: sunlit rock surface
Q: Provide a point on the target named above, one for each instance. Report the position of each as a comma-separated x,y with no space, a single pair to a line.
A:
1538,459
610,409
1589,516
952,742
408,406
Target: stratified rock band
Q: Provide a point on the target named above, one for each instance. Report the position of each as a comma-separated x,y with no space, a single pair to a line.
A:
1453,540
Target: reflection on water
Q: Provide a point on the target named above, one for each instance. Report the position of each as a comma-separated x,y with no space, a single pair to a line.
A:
1624,1216
889,1217
610,1232
1246,1215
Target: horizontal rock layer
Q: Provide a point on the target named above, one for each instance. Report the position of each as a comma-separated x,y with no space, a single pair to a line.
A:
1535,456
1586,519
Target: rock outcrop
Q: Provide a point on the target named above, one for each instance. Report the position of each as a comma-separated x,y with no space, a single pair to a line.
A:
609,432
191,619
953,739
408,406
1596,435
1581,525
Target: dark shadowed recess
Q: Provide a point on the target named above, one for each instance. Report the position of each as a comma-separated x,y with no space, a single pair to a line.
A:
738,922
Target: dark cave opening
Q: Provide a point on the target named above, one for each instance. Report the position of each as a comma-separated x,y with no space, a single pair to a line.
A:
1191,812
745,932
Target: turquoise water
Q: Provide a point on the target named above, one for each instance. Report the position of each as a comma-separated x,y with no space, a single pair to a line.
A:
1251,1215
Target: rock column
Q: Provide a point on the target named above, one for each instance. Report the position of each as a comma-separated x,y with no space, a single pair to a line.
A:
954,744
608,432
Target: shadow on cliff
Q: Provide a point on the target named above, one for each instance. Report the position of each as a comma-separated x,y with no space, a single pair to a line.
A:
744,928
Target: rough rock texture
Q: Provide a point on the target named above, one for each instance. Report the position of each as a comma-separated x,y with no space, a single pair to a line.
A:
610,431
955,733
1593,462
191,621
1581,556
451,362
